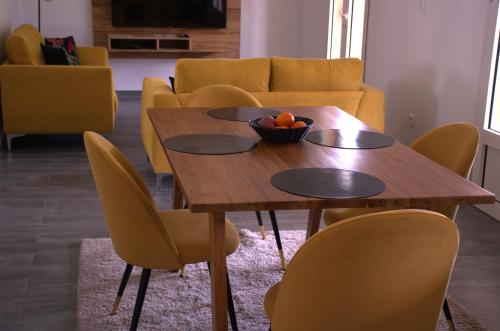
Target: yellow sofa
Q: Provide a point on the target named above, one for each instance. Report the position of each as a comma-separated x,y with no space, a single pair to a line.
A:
40,98
273,81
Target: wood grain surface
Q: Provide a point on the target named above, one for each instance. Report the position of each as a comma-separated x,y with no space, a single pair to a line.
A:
204,42
242,181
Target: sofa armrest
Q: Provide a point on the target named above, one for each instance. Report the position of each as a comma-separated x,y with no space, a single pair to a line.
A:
155,93
56,99
93,56
371,107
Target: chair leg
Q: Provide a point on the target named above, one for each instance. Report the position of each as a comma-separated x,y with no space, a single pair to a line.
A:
230,306
230,303
143,286
276,231
9,137
261,225
123,284
182,272
447,313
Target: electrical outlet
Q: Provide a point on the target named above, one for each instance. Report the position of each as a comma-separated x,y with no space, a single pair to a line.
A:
411,120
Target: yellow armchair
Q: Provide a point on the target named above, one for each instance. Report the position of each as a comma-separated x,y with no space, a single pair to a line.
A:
39,98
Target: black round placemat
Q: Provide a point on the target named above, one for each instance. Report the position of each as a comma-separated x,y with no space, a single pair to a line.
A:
329,183
209,144
352,139
241,114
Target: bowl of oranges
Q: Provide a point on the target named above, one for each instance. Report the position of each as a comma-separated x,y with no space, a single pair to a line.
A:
284,128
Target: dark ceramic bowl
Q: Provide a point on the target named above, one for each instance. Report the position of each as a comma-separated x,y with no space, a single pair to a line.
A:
282,136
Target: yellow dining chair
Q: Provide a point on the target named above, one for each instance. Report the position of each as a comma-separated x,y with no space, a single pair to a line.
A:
141,235
221,95
383,271
454,146
232,96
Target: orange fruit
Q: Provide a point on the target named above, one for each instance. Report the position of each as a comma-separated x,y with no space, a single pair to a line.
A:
299,124
281,127
285,119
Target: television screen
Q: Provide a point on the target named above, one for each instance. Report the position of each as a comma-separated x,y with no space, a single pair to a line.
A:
169,13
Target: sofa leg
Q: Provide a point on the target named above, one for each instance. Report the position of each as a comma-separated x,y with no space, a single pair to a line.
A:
158,182
159,177
9,138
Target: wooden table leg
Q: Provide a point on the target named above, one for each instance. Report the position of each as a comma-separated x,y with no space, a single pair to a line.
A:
176,195
313,221
218,271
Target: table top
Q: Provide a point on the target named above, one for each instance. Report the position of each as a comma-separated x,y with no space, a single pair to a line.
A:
239,182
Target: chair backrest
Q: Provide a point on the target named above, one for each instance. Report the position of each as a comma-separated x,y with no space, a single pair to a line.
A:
382,271
221,96
130,211
454,146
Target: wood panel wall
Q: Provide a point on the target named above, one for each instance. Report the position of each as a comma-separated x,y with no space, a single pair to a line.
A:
204,42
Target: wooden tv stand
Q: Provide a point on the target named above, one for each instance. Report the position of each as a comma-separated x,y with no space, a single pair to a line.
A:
147,42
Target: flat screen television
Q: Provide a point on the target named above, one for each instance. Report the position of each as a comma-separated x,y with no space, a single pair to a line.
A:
169,13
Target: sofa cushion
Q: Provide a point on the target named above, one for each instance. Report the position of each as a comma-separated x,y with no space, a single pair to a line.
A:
55,55
69,45
23,46
289,74
251,75
348,101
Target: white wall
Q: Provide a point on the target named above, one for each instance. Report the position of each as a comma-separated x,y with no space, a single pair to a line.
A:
313,34
295,28
23,11
426,56
268,27
68,17
4,27
255,40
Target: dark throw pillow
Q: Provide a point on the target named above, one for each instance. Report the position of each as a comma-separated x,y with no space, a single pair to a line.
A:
68,44
55,55
172,81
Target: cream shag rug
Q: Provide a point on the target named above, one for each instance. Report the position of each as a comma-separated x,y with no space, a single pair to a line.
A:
174,303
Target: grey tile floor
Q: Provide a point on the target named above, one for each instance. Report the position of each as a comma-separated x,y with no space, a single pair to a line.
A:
48,204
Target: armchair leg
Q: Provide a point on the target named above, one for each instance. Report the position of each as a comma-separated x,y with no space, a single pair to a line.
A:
123,284
9,137
276,231
261,225
143,286
447,313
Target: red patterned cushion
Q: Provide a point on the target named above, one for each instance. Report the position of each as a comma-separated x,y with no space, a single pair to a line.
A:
68,44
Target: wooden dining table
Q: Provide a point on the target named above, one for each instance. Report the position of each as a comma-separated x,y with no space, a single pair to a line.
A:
217,184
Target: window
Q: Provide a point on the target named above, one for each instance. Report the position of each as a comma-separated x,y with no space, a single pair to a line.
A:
347,28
